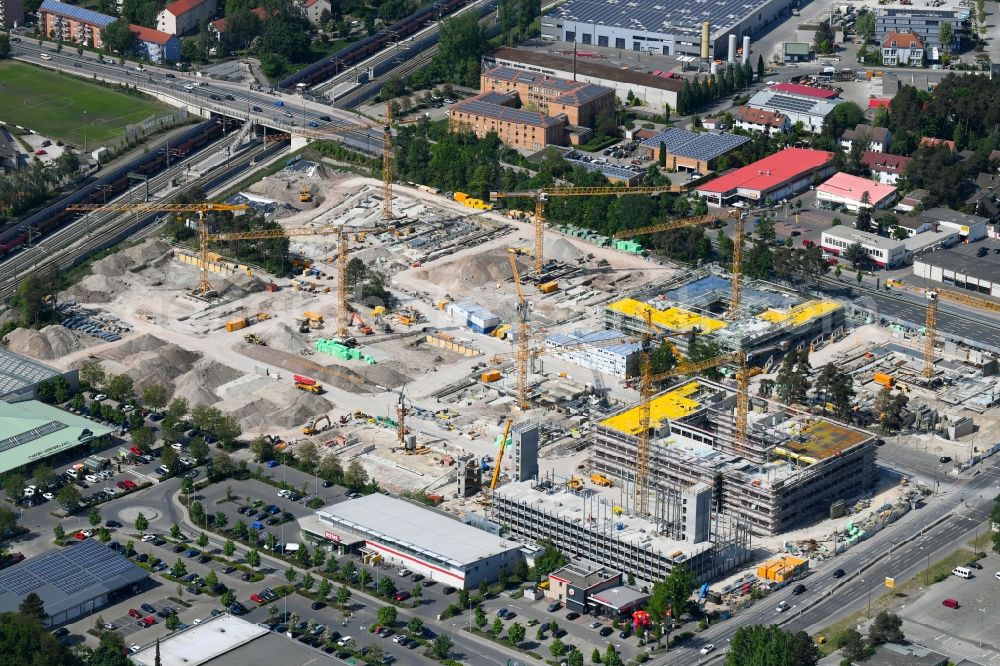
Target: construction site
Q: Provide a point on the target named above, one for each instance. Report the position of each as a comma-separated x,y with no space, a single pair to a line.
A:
502,368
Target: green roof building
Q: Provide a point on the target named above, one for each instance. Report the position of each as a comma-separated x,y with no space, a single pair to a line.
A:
31,431
797,51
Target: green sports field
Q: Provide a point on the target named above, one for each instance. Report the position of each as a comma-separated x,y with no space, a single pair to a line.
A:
52,104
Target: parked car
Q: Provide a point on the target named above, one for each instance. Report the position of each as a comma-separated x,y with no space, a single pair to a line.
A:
134,613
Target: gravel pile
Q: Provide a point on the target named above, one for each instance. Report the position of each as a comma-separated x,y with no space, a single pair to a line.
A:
53,341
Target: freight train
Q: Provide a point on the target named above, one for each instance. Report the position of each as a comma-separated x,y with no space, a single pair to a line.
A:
114,182
321,70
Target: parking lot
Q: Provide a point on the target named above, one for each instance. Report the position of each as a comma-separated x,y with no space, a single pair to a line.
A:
972,630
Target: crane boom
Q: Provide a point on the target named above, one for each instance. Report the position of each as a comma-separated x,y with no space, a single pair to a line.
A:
503,445
930,332
522,335
541,195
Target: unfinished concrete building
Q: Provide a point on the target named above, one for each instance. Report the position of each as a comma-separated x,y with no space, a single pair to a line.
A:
695,305
792,467
595,524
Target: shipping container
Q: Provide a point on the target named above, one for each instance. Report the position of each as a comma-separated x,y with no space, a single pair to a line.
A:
548,287
236,325
491,375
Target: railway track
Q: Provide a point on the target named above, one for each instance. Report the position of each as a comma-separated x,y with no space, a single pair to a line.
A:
92,233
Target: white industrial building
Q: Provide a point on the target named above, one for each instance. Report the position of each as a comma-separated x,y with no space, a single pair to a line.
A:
663,27
416,537
962,268
970,228
473,315
810,111
886,252
619,360
843,189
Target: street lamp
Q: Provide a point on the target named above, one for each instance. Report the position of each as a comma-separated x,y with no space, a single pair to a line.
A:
869,614
84,130
927,569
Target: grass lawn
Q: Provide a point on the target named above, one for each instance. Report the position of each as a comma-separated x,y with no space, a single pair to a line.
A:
52,104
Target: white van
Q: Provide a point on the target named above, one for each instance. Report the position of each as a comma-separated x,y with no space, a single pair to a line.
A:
72,473
962,572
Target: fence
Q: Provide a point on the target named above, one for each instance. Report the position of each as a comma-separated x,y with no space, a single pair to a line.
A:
139,130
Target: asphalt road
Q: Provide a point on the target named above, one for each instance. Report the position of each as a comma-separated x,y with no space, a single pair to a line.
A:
912,544
164,81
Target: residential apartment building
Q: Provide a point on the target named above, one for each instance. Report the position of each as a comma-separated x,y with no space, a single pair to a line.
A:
879,138
314,9
518,128
759,120
184,16
11,13
810,110
582,103
155,46
903,49
924,22
885,167
69,23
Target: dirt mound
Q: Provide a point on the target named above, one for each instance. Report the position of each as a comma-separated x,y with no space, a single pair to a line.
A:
384,375
152,361
560,249
51,342
466,273
285,338
259,409
198,385
335,376
132,268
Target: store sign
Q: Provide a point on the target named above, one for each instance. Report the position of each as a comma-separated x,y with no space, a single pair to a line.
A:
330,536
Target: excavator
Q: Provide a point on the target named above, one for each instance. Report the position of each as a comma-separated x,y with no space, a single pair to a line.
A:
317,425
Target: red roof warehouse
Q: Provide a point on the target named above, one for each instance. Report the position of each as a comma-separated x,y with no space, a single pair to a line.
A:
775,177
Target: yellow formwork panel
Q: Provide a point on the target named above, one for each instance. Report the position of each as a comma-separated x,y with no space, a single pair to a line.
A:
672,405
674,319
799,314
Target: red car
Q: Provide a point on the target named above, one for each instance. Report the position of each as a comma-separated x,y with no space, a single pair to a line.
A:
134,613
41,152
148,621
257,599
131,484
121,484
402,596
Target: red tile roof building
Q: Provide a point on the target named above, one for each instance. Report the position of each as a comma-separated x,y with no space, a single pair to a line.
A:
184,16
904,49
885,168
931,142
157,47
806,91
775,177
761,120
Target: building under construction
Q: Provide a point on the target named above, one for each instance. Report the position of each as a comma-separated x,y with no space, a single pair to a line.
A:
596,524
791,468
770,319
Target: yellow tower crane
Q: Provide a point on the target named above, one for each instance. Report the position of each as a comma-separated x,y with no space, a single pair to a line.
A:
328,131
930,332
343,308
542,195
151,207
522,334
732,213
496,467
646,396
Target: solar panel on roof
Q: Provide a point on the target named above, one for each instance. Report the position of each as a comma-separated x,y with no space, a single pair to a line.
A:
31,435
74,582
20,584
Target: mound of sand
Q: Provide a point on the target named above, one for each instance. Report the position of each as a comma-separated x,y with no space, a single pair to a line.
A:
465,273
560,249
198,385
137,266
53,341
285,338
260,409
383,375
152,361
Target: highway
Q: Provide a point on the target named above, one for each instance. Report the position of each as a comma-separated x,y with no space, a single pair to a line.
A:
900,551
221,97
90,233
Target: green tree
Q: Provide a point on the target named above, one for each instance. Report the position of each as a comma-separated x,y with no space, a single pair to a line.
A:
886,628
550,559
497,628
947,35
32,606
202,540
415,627
595,656
92,374
119,387
69,497
129,548
172,622
355,477
59,532
212,579
13,485
229,547
221,520
308,581
558,648
103,534
480,617
766,645
343,595
865,26
4,45
227,598
94,517
386,587
515,633
325,587
154,397
761,70
442,646
663,359
889,409
671,594
262,449
143,439
291,575
198,449
179,569
387,616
